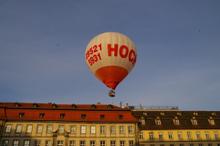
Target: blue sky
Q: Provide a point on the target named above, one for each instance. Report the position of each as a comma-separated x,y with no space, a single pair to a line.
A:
42,44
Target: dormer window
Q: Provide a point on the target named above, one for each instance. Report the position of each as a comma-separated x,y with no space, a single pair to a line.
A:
109,106
35,105
102,117
41,115
144,113
83,116
195,114
17,105
93,106
162,113
62,115
211,121
213,114
21,115
74,106
194,121
142,120
158,121
176,121
179,114
120,117
54,106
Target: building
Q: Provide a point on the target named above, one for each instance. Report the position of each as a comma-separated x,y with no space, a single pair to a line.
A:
42,124
172,127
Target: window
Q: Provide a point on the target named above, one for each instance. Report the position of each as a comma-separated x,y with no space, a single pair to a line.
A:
72,143
141,136
171,144
130,129
102,129
160,136
209,144
180,136
158,121
16,143
60,143
189,136
102,117
92,143
62,115
194,121
120,117
170,135
161,144
102,143
216,136
121,130
152,144
29,129
92,130
200,144
48,143
83,129
198,136
21,115
176,121
207,136
191,144
122,143
5,143
61,129
82,143
41,115
181,144
8,128
211,121
18,129
131,143
112,143
49,129
37,143
83,116
26,142
39,129
112,130
151,135
73,129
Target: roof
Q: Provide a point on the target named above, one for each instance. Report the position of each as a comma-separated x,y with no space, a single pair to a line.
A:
184,117
65,112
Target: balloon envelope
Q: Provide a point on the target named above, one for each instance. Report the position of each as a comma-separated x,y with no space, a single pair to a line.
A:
110,57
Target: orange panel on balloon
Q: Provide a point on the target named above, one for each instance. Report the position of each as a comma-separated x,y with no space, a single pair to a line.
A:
111,76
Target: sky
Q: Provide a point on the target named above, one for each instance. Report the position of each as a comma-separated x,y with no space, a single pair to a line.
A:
42,45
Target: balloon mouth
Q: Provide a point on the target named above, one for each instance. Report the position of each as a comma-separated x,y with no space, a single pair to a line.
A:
111,84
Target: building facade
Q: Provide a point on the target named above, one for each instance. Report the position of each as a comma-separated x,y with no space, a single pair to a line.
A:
27,124
178,128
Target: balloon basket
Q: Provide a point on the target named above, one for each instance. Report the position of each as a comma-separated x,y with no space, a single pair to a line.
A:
111,93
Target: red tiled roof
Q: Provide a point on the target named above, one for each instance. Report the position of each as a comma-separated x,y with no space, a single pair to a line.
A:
91,113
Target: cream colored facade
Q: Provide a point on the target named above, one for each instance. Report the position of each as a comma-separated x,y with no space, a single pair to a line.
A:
69,134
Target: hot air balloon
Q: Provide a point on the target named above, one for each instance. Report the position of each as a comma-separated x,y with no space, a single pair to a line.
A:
110,56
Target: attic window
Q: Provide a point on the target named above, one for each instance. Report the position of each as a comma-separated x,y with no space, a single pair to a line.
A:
176,121
211,121
158,121
17,105
62,115
83,116
179,114
142,120
41,115
120,117
74,106
54,106
213,114
21,115
102,117
109,106
35,105
144,113
195,114
194,121
93,106
162,113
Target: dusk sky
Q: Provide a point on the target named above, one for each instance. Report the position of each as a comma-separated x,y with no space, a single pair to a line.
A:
42,45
